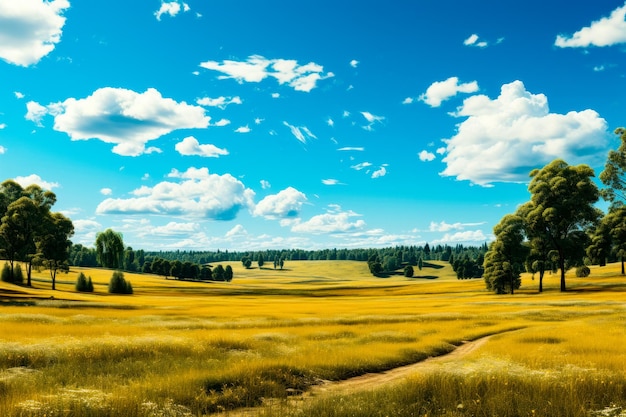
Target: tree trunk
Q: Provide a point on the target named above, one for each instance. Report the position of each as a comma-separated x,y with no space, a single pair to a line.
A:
541,272
622,257
562,266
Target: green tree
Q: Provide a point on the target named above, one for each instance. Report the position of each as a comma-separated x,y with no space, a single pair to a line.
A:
6,275
408,271
110,249
609,236
228,273
260,260
18,230
176,269
614,173
563,198
504,261
218,273
53,245
119,285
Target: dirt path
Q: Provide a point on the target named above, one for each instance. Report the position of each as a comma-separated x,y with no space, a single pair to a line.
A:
373,380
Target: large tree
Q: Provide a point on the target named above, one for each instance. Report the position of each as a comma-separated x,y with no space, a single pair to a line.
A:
563,198
504,261
110,249
609,237
54,243
18,230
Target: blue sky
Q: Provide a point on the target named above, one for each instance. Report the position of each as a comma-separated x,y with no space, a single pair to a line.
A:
246,125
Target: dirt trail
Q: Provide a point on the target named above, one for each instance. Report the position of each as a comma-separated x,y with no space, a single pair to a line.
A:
372,380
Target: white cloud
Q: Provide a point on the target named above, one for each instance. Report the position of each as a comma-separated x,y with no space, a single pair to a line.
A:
441,150
607,31
440,91
258,121
265,184
196,194
191,146
220,102
381,172
236,231
301,133
330,181
19,95
352,148
30,29
174,229
361,166
222,122
442,226
371,118
354,63
503,139
334,221
473,41
86,225
122,117
106,191
330,122
284,205
408,100
275,95
426,156
3,126
171,8
35,112
37,180
243,129
2,150
469,236
257,68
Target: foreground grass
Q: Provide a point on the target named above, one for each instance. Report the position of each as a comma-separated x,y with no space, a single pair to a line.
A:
183,348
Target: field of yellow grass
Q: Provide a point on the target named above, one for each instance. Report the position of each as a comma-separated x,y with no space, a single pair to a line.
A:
177,348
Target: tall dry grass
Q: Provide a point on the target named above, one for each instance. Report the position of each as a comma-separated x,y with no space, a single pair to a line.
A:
183,348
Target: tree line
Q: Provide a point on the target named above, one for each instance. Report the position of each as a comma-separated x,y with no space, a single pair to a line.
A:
561,227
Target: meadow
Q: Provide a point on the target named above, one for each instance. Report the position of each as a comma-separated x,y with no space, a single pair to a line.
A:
259,344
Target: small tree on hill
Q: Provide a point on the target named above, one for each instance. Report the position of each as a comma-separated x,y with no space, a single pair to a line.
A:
408,271
260,261
6,274
228,273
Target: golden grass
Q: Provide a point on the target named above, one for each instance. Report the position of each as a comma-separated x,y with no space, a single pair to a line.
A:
178,348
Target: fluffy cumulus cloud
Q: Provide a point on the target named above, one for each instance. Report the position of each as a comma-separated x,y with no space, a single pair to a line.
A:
441,91
426,156
468,236
604,32
36,180
194,193
122,117
171,8
30,29
284,205
257,68
190,146
334,221
503,139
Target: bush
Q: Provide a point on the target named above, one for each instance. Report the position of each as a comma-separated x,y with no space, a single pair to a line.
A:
408,271
583,271
6,275
83,284
18,276
119,285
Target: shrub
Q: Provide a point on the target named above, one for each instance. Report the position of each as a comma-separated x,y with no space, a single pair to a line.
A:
583,271
119,285
408,271
6,275
83,284
18,276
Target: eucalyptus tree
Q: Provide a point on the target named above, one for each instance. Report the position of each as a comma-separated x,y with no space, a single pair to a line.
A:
563,198
614,174
18,229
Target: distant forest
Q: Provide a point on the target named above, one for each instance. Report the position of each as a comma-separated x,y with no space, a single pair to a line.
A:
466,260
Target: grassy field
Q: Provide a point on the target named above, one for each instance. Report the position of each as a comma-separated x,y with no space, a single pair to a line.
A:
177,348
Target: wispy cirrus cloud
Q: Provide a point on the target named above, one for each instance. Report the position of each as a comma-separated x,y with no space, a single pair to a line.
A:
257,68
220,102
302,133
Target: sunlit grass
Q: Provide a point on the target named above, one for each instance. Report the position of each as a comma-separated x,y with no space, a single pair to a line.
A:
188,348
